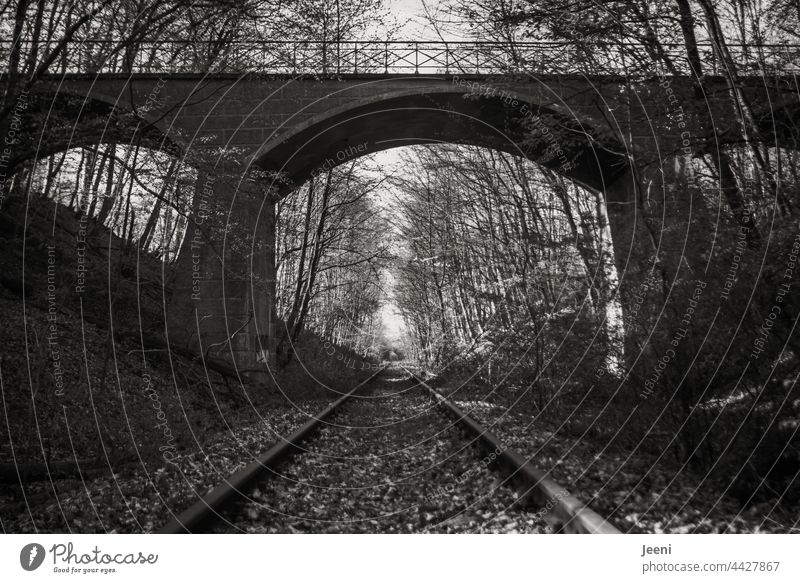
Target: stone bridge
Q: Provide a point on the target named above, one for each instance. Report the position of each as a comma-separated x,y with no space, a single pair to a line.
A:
605,133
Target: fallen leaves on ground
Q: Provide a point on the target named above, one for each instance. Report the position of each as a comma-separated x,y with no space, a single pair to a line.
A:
390,462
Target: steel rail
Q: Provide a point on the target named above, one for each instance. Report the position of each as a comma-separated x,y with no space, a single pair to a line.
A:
566,513
207,510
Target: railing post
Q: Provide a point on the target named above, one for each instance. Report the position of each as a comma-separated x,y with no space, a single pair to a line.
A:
477,60
294,58
355,58
416,58
446,59
386,57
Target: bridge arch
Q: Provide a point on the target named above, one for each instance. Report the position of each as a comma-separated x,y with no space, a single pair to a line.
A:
443,115
390,120
73,118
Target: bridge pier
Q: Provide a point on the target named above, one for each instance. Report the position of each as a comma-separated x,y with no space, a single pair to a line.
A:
663,237
222,303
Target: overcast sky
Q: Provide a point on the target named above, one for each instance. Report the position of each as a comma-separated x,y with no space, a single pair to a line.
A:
413,11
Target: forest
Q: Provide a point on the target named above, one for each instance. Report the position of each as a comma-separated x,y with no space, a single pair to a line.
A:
665,360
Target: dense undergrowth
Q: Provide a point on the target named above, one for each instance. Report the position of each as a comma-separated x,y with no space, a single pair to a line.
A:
627,457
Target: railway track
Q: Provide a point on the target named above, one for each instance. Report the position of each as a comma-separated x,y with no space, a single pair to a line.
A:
392,455
566,513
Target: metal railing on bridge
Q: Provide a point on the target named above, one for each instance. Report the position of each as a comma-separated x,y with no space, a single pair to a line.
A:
402,57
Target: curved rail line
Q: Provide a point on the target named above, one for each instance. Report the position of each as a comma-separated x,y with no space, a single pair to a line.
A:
566,514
